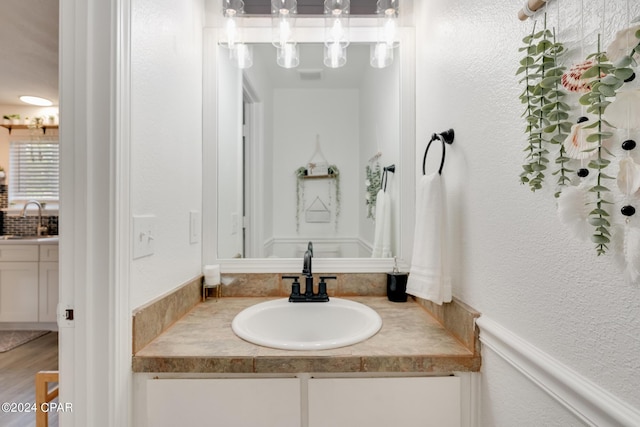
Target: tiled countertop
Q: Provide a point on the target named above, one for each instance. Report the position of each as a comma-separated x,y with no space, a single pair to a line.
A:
202,341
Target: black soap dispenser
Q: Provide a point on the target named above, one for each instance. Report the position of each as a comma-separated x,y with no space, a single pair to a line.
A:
397,284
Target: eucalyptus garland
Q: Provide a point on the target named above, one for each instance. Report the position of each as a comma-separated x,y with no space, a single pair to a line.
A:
545,112
529,66
596,100
373,183
557,113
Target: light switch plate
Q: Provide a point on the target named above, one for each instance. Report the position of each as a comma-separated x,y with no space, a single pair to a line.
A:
194,226
143,235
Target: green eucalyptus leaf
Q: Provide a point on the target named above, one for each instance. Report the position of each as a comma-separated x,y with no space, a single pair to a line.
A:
589,74
623,62
550,82
607,90
598,211
585,99
598,189
527,60
610,80
598,222
566,126
600,239
623,73
605,176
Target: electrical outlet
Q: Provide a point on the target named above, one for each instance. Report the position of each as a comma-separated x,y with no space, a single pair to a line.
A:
143,235
64,314
194,226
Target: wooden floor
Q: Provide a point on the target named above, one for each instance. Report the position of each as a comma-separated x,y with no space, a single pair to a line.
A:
18,369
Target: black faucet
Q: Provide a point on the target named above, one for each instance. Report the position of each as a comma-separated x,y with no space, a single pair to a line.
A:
306,270
308,295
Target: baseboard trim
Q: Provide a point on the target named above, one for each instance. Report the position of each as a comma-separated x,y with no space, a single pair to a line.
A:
586,400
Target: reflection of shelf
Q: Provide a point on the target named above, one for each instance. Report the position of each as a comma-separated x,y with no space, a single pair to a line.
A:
333,175
43,127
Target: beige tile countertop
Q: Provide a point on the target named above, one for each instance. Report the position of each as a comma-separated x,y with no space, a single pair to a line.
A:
202,341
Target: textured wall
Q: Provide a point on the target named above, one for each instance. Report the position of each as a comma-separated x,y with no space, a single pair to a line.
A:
515,262
166,156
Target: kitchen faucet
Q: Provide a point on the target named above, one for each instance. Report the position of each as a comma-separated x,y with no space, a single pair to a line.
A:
308,295
41,229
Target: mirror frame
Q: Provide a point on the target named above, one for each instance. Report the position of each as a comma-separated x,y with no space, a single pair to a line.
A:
257,30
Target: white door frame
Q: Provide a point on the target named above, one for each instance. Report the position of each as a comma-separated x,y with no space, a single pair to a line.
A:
95,349
253,171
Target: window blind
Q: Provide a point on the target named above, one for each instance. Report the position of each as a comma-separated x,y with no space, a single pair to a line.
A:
34,170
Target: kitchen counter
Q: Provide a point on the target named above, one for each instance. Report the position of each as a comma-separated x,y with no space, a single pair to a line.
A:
28,240
202,341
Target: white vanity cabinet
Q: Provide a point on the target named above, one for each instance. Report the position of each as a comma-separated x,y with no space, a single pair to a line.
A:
304,402
268,402
28,282
385,402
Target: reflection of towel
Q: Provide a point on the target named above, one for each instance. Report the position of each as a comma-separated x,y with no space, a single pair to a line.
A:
429,276
382,235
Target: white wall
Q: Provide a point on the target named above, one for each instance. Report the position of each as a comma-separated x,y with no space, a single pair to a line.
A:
258,79
379,132
229,237
166,153
515,262
300,115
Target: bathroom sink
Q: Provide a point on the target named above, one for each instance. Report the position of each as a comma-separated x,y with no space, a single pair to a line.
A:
307,326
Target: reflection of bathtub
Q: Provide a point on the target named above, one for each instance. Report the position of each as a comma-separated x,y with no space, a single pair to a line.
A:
320,250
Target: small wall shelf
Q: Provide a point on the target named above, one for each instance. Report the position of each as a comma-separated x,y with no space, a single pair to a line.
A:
43,127
330,176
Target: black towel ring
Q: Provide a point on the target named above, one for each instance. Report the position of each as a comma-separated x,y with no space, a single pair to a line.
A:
446,136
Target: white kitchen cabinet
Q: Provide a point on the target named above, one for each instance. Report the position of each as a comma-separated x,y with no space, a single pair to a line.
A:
268,402
47,291
28,282
385,402
19,291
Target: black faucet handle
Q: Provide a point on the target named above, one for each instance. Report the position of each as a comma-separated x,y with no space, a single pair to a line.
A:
323,278
295,286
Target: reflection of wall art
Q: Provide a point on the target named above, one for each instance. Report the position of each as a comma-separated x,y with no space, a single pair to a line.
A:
333,188
317,212
317,164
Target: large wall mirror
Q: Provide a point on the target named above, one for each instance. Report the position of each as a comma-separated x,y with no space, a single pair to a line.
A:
268,127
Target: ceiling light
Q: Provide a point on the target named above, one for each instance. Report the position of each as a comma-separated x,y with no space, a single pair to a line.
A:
388,26
232,9
336,32
36,100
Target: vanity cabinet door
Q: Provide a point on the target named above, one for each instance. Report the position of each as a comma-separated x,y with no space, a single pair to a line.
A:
384,402
264,402
19,291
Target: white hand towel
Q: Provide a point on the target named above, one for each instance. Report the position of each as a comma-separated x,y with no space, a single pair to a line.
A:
429,275
382,234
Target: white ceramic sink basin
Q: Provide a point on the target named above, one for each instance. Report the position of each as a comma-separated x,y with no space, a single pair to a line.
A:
306,325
